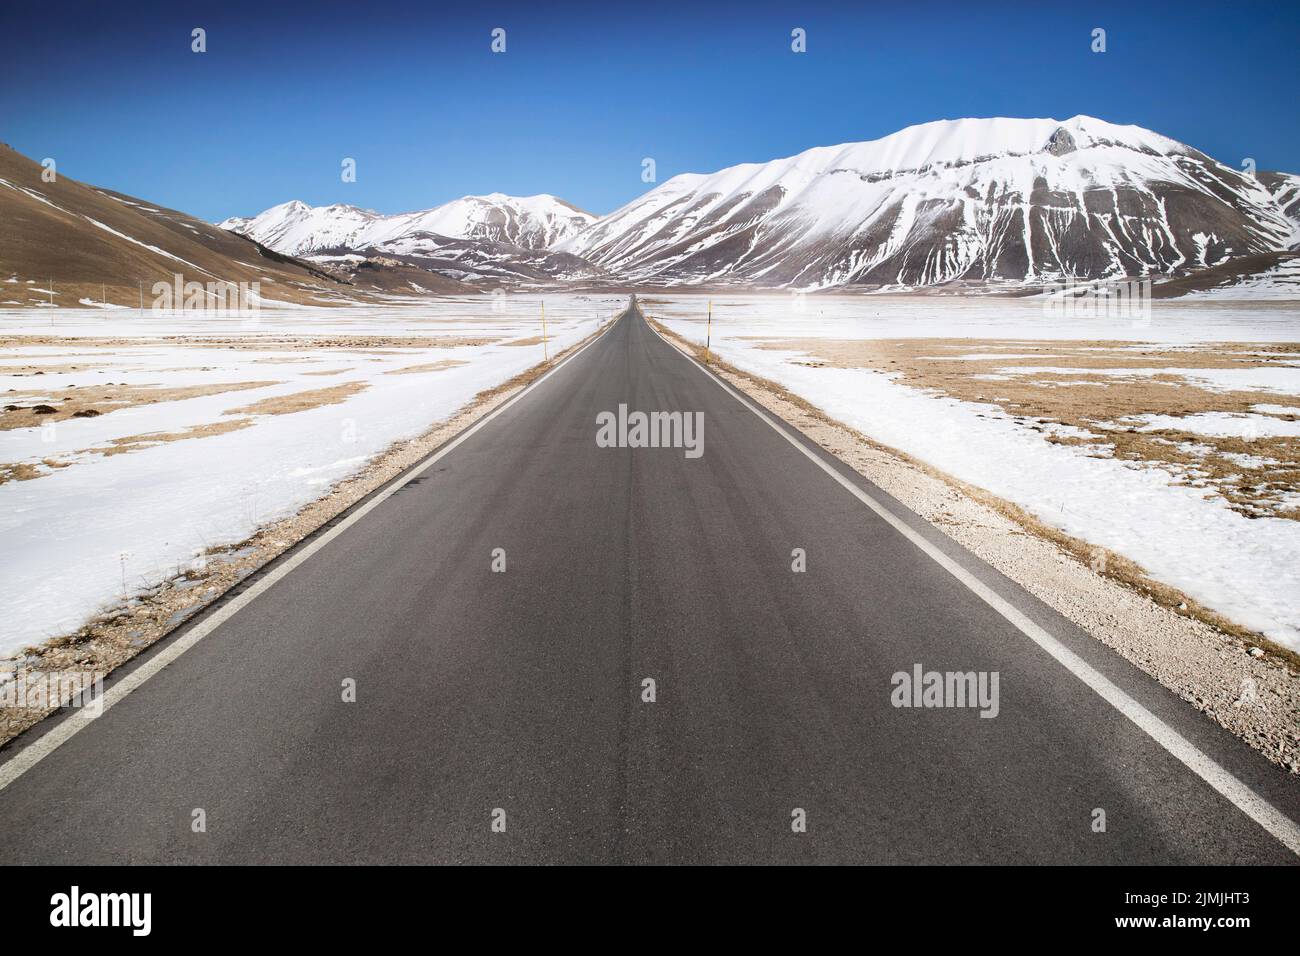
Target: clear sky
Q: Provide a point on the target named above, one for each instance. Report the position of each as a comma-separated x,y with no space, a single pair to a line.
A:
584,92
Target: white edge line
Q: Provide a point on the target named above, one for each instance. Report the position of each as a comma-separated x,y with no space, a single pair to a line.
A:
1280,826
39,749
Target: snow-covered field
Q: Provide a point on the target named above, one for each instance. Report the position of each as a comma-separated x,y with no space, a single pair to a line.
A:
1246,568
118,502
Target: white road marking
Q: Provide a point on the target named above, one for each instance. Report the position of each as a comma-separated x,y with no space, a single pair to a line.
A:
41,748
1280,826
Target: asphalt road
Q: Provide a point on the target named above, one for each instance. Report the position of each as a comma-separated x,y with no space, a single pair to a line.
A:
522,690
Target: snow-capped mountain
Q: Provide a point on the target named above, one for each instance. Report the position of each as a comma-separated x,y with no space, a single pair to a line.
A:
529,222
955,203
971,200
491,239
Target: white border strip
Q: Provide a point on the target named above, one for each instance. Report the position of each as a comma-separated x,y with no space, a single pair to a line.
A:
1280,826
45,745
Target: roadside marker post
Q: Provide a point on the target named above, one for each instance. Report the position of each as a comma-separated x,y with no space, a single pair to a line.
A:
708,334
546,355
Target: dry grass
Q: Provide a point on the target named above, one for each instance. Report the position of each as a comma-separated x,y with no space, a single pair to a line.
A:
342,343
426,367
252,341
118,446
23,471
1103,404
91,400
46,368
26,471
301,401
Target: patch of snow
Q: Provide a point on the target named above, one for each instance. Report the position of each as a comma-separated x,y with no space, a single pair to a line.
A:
1219,425
1248,569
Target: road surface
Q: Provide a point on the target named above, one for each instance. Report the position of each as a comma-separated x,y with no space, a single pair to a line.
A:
521,691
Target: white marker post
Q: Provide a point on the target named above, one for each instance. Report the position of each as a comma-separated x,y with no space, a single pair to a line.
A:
708,334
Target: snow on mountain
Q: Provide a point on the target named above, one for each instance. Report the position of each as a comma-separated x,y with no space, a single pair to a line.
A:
1285,188
530,222
970,200
955,203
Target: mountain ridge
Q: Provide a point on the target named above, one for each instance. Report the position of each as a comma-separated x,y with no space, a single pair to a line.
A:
974,203
977,200
529,222
970,205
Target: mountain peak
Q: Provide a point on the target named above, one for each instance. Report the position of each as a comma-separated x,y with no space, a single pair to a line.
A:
1061,142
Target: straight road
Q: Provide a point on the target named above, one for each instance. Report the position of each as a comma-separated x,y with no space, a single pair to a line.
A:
522,691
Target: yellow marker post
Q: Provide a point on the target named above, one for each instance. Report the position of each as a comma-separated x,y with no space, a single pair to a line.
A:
708,334
546,354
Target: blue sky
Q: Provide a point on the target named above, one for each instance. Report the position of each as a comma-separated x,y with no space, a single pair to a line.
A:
412,91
